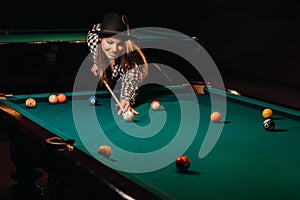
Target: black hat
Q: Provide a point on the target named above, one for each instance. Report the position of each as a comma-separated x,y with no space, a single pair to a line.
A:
113,24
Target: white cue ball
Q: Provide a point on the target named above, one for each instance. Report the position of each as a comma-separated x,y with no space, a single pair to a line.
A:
128,116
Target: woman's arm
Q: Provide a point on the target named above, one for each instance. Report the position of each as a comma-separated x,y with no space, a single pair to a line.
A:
93,39
131,81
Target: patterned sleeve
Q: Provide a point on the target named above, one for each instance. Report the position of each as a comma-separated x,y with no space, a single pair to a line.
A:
131,81
92,39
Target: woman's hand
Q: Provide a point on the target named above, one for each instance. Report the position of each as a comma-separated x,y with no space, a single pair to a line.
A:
126,105
95,70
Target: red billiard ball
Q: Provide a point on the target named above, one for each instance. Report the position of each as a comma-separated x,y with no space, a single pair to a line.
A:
183,163
61,98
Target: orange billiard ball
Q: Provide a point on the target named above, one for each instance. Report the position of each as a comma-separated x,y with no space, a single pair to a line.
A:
53,99
30,103
105,151
267,113
215,117
61,98
183,163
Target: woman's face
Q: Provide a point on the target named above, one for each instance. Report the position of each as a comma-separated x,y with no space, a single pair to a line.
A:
111,47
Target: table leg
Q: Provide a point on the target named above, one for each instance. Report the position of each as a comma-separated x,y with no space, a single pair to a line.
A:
23,156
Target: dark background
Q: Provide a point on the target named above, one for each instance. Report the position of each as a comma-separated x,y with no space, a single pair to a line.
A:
250,40
258,40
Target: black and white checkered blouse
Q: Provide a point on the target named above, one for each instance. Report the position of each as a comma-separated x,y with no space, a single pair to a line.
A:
130,80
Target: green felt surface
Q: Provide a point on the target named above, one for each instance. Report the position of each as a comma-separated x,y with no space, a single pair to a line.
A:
247,162
75,35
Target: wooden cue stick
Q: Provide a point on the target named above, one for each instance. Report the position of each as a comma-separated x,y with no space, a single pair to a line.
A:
113,94
5,95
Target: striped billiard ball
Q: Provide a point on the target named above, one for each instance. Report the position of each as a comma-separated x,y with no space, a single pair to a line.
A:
30,103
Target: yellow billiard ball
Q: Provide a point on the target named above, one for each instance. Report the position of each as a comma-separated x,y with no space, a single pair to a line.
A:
267,113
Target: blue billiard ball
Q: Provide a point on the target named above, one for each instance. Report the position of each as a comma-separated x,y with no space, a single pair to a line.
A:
93,100
269,124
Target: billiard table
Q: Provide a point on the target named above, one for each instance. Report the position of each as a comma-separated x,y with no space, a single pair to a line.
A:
233,159
42,36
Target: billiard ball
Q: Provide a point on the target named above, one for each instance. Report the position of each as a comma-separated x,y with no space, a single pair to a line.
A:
155,105
61,98
215,117
267,113
269,124
105,151
182,163
128,116
53,99
93,100
30,103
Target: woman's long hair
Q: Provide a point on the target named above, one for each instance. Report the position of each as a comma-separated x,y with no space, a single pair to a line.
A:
131,57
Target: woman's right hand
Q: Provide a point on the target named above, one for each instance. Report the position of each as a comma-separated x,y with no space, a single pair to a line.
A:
126,106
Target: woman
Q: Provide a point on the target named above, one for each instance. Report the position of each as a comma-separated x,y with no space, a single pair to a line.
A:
117,57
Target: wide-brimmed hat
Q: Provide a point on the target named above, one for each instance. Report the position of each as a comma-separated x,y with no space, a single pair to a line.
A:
114,24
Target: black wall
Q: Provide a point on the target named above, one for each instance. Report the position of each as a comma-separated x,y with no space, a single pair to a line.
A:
257,39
